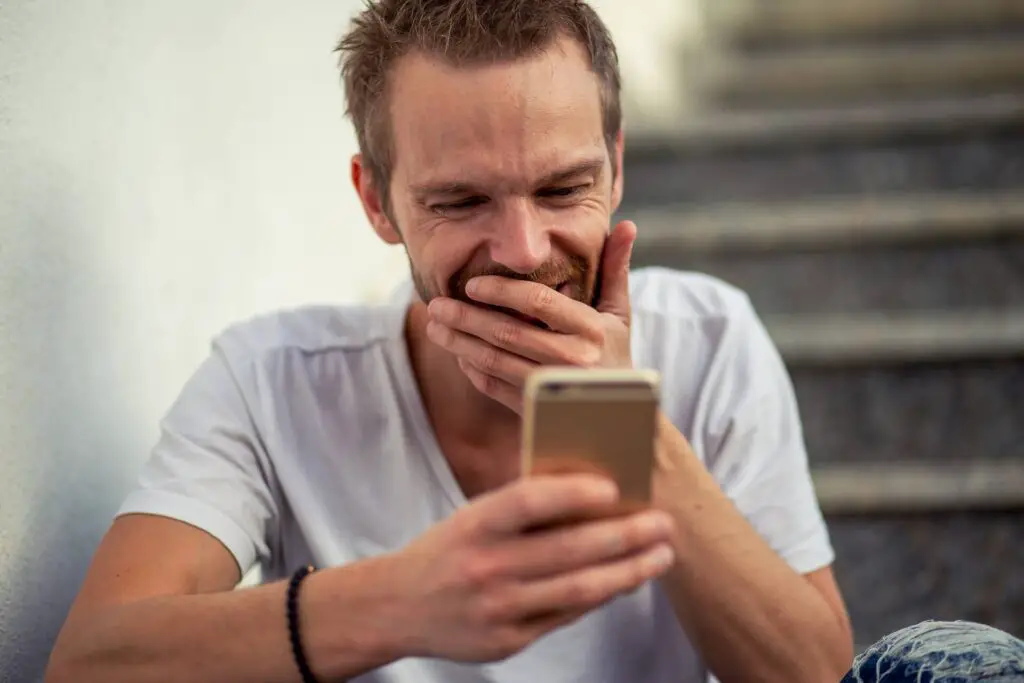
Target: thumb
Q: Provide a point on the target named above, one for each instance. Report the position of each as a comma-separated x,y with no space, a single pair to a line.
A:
614,286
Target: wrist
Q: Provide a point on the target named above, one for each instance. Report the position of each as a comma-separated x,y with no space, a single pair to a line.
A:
351,623
671,449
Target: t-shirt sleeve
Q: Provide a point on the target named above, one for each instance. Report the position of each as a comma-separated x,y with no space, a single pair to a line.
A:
755,446
209,468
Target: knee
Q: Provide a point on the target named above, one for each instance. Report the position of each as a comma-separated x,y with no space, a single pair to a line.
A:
953,650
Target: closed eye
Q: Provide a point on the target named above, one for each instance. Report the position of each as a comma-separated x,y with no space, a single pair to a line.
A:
563,192
467,203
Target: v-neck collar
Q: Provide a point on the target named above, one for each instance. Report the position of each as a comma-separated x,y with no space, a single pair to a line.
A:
420,429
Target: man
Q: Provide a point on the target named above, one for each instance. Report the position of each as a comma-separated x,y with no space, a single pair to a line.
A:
381,444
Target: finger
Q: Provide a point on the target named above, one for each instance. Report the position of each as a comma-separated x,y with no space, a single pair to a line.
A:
567,465
541,624
530,502
519,634
589,588
509,395
535,300
505,332
550,466
614,288
567,548
486,357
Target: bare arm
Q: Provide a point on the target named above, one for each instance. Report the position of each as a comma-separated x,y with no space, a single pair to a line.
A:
158,605
750,615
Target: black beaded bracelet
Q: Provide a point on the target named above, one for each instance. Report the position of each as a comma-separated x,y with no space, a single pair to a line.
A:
292,604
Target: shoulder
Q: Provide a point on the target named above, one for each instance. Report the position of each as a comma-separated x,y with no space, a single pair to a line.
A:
705,338
693,307
308,331
685,296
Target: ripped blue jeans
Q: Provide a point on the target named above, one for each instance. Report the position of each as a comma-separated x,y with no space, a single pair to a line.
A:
941,652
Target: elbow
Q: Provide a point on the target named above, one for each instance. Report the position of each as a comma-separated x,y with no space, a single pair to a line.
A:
65,666
843,649
834,656
60,671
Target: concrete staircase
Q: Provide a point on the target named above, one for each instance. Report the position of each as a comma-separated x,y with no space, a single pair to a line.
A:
858,169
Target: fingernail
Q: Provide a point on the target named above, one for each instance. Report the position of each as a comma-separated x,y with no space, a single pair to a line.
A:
662,557
436,308
472,286
661,523
607,490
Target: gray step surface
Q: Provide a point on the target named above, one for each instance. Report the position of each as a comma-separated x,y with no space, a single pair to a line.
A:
796,169
892,121
950,412
877,338
901,487
898,570
985,274
833,223
746,22
857,73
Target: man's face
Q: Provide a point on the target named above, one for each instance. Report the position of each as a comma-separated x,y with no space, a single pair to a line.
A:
501,170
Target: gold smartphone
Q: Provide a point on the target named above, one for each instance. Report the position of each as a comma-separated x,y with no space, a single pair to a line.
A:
605,418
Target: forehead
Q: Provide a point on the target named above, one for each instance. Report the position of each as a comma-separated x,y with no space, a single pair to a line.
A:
498,123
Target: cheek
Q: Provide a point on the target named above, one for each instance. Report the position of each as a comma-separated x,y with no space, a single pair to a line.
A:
444,253
584,233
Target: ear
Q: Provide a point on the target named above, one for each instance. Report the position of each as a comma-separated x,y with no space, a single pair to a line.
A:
370,196
617,183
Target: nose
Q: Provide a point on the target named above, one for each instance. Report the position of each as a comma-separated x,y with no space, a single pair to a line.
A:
519,238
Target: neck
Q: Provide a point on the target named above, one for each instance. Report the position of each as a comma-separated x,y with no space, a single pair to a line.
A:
459,413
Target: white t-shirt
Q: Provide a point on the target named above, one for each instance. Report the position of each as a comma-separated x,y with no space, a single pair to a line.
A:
303,439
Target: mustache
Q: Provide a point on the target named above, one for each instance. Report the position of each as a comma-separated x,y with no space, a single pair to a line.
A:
551,273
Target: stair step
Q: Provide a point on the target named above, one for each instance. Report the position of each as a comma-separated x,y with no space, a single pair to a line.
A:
789,21
970,274
953,411
797,168
838,74
831,223
898,338
698,132
899,487
898,570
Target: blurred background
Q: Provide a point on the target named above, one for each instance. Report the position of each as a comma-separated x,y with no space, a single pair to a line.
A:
167,168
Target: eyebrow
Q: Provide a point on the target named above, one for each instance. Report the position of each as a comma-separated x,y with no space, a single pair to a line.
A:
592,165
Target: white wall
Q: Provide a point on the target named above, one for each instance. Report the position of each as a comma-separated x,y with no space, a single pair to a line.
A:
166,167
652,37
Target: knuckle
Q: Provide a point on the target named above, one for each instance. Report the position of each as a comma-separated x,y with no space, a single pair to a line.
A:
478,570
636,532
497,606
524,500
541,299
506,333
492,385
493,286
490,360
459,314
588,356
634,573
466,523
581,592
510,640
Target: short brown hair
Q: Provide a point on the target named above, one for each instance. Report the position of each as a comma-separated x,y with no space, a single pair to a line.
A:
462,32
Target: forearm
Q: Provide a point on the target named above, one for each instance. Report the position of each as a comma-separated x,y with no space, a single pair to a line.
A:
346,627
748,613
